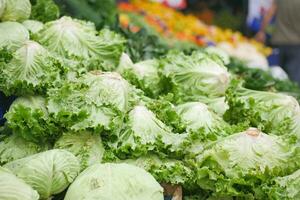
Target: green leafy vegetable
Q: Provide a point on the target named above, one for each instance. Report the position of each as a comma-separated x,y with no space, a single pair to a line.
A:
114,181
145,133
13,35
79,40
195,75
49,172
12,187
44,10
16,10
87,147
286,187
164,170
29,118
33,26
144,75
237,164
31,70
272,112
14,147
95,101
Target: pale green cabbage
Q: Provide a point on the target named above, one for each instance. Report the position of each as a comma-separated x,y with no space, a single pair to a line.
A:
49,172
13,188
16,10
114,181
86,146
12,35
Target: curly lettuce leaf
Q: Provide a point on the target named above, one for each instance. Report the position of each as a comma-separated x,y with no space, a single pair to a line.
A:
164,170
31,70
286,187
29,118
44,11
86,146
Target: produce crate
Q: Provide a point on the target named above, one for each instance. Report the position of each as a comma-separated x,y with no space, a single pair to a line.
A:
172,192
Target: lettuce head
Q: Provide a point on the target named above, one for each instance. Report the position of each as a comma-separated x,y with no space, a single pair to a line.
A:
195,75
144,74
49,172
33,26
238,164
79,40
31,70
96,101
144,132
114,181
271,112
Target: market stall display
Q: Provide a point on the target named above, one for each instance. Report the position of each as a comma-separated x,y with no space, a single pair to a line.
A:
173,24
96,118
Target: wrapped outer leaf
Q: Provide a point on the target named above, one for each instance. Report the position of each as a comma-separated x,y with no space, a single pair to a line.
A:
114,181
14,188
49,172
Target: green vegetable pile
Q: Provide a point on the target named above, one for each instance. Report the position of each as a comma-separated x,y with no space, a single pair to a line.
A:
90,122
